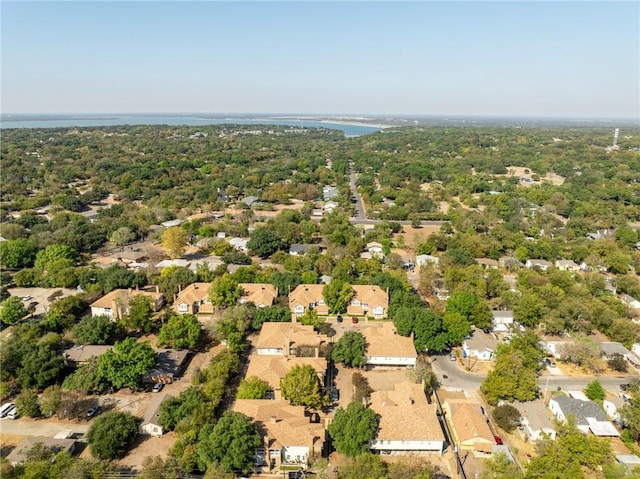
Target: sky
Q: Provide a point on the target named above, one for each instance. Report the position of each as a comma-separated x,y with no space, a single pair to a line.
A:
529,59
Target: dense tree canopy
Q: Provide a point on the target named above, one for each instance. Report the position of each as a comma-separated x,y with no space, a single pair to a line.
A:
111,434
352,429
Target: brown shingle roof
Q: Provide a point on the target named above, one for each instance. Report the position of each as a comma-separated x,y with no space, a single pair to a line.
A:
384,341
122,296
285,425
260,294
273,368
405,414
468,422
306,294
193,293
274,335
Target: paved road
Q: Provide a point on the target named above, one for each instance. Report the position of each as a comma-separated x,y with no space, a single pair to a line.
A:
458,378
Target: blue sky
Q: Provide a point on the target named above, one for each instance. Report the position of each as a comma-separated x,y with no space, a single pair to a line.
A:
544,59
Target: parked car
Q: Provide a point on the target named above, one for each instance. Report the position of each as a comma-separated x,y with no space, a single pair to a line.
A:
157,387
26,298
498,440
452,357
93,411
354,320
339,318
334,394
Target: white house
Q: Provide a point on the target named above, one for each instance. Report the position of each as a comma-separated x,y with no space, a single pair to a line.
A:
115,304
239,243
540,264
407,423
151,421
423,259
630,301
568,265
375,249
502,321
535,420
480,346
612,406
588,416
329,206
387,348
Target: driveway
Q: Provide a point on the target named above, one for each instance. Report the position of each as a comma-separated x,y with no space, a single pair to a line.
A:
25,426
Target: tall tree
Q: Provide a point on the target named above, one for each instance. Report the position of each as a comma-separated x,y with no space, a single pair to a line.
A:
302,387
231,443
111,434
181,332
351,349
126,363
12,310
225,291
174,241
337,294
352,429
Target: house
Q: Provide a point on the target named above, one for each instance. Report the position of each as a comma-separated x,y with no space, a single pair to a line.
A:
130,255
150,424
610,348
612,406
556,347
168,263
480,346
170,364
387,348
540,264
568,265
115,304
369,300
194,299
210,262
283,339
249,200
469,428
442,293
240,244
290,436
329,206
172,223
21,452
317,212
509,262
630,301
629,461
407,422
298,249
502,321
588,415
487,263
423,259
306,297
80,355
273,368
329,192
260,294
535,420
375,249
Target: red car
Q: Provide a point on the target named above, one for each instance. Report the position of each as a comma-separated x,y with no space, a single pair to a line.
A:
354,320
498,440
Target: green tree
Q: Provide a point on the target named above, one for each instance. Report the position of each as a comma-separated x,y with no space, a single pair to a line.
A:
311,318
225,291
12,310
428,330
27,403
264,242
18,253
111,434
270,314
337,294
174,241
352,429
501,467
457,327
41,365
364,466
122,236
139,315
507,417
252,388
159,468
94,330
510,380
351,349
231,443
126,363
87,378
174,410
302,387
50,400
53,254
181,332
595,391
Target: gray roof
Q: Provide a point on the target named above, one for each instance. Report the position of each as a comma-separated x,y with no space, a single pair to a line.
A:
609,347
20,453
479,341
299,248
152,413
581,410
502,314
536,413
249,200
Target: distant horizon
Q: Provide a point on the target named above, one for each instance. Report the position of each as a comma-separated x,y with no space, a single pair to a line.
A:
316,115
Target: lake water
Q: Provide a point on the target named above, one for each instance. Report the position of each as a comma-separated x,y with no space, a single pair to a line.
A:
61,121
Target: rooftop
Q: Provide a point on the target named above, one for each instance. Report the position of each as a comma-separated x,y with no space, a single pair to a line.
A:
260,294
273,368
384,341
274,335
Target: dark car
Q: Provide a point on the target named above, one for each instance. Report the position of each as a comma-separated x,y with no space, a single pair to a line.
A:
93,411
334,394
339,318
